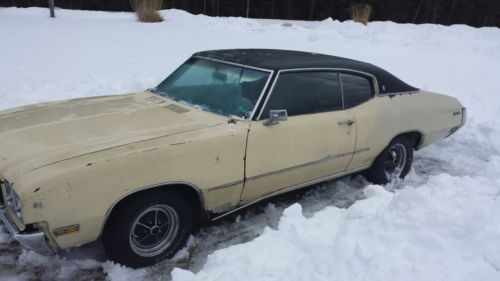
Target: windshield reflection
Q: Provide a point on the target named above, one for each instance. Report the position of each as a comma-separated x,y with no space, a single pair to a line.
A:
217,87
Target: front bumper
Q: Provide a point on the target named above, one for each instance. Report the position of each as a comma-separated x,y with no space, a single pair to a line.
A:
31,240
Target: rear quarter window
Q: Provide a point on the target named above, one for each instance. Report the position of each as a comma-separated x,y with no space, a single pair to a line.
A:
357,89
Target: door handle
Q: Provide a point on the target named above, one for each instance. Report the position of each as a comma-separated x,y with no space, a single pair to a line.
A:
346,122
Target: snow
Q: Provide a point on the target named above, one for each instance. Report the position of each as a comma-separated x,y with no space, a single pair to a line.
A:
409,235
441,223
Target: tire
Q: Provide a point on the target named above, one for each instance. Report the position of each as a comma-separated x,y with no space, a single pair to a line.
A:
392,163
148,228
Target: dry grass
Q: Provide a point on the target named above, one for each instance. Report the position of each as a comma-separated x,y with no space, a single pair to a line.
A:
361,12
147,10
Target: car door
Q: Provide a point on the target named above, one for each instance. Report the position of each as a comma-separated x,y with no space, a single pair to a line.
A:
316,142
373,118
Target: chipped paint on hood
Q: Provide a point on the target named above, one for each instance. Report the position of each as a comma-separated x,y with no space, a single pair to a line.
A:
39,135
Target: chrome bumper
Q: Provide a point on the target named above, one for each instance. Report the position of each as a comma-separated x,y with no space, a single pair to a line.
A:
34,241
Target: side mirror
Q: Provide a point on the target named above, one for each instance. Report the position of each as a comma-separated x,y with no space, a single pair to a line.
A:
275,116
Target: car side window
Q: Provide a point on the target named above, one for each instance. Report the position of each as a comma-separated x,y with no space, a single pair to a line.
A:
305,93
356,89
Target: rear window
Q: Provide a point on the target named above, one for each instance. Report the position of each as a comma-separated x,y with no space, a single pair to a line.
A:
357,89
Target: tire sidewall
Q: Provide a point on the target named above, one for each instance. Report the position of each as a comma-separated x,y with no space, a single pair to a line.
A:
116,235
377,174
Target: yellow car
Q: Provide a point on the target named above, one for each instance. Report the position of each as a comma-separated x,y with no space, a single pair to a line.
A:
228,128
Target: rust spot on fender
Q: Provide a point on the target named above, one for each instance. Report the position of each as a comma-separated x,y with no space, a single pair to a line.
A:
37,205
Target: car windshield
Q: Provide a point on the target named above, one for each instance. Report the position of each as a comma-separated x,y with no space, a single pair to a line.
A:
217,87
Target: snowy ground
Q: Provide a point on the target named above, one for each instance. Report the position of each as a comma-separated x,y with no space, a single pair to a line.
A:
441,223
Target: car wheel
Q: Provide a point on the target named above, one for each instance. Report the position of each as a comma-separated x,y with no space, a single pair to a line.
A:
392,163
148,228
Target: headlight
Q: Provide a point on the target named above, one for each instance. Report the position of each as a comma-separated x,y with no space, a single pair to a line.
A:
13,200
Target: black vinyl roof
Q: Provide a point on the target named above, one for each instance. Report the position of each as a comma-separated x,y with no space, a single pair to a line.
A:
273,59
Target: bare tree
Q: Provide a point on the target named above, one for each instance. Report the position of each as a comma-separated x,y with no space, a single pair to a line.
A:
488,10
289,10
452,9
51,8
417,11
311,9
471,12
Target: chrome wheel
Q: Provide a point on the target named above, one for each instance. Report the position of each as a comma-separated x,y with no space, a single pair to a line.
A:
395,161
154,230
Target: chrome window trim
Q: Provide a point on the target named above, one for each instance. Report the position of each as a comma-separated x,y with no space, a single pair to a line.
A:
399,93
322,160
254,111
269,94
271,72
341,89
339,70
343,105
234,63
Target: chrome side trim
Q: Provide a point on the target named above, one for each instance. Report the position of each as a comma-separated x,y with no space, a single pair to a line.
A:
290,188
271,72
339,70
325,159
361,150
33,241
225,185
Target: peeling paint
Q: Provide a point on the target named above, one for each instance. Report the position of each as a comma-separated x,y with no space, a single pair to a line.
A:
223,208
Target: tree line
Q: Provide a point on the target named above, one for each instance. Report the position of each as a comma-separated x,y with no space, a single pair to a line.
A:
472,12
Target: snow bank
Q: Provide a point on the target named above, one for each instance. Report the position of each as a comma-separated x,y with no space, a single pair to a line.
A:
439,224
427,233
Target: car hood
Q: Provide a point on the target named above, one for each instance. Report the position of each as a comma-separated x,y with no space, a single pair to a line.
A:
39,135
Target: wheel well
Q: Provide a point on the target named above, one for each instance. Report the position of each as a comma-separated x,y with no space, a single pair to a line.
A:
190,192
415,138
